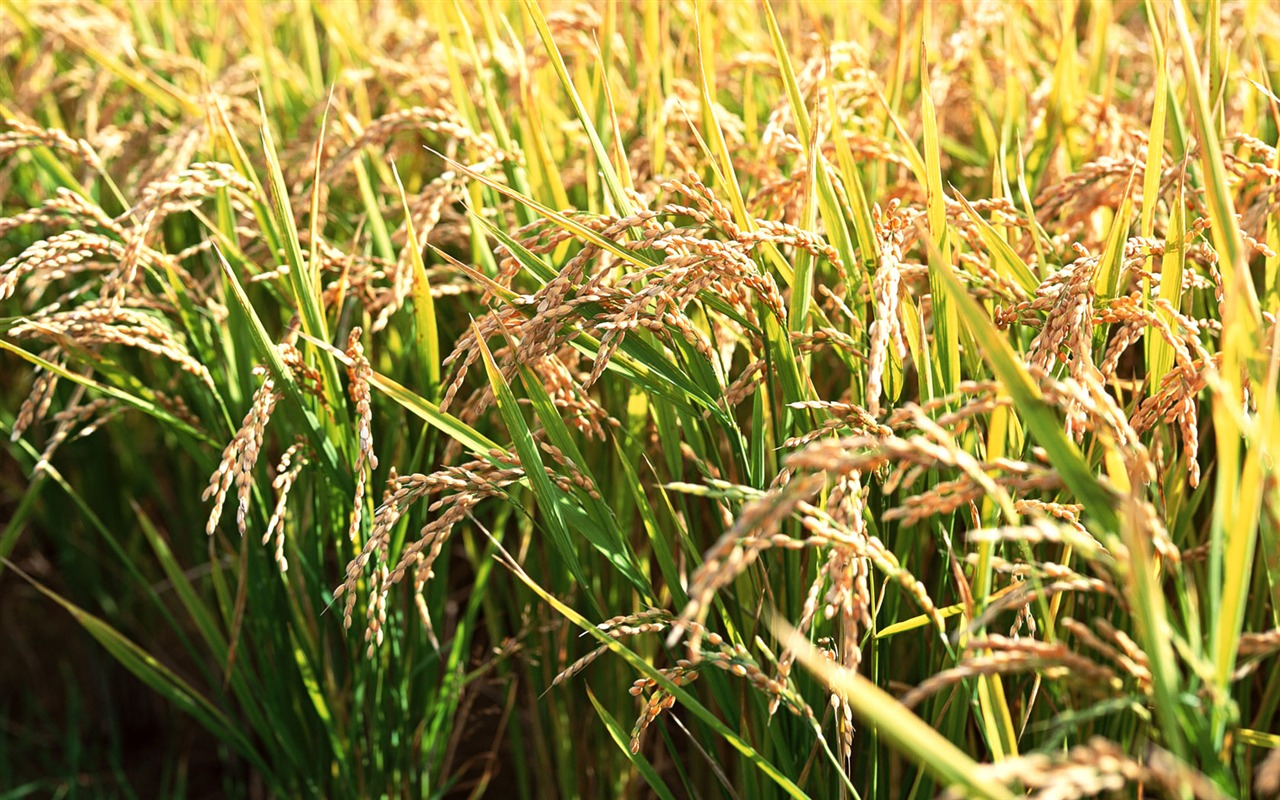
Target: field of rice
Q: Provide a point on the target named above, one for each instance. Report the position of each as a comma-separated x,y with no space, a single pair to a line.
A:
640,399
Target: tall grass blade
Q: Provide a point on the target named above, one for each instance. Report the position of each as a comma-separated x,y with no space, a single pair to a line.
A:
946,339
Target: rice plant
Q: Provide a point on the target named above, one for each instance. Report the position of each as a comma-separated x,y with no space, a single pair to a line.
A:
640,399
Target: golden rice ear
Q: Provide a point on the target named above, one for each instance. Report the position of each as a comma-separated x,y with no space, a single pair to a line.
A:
1267,777
240,457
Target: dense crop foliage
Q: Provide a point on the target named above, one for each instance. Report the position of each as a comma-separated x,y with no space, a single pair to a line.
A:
640,399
